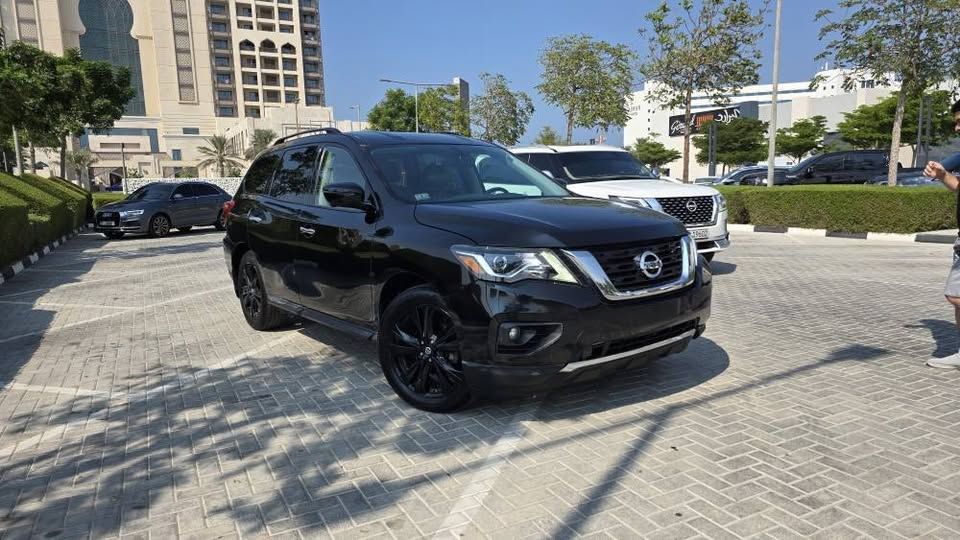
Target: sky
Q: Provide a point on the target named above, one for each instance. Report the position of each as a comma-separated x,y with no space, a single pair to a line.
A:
437,40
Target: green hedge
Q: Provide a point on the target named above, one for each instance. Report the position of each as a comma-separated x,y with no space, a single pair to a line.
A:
853,208
14,228
78,201
106,197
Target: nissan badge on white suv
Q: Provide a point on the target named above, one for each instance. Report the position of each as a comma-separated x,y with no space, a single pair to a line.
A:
608,172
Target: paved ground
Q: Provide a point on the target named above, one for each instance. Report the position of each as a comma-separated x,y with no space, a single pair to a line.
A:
135,401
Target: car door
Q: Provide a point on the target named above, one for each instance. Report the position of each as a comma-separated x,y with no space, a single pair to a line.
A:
183,205
209,203
334,271
828,170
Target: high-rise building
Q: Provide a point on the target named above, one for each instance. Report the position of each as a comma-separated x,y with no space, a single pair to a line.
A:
198,67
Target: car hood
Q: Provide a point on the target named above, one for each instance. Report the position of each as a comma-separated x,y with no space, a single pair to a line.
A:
553,222
122,205
639,189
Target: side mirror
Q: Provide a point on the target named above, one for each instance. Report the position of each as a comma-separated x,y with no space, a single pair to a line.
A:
345,195
809,172
177,196
548,173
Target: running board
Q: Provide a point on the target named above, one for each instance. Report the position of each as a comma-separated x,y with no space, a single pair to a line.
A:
312,315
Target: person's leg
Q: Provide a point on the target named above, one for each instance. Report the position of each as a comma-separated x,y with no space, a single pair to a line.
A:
952,361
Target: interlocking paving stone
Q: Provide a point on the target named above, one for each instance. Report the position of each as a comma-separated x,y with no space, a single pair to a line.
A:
136,402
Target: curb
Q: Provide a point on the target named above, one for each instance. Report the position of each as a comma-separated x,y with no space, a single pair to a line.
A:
7,272
927,237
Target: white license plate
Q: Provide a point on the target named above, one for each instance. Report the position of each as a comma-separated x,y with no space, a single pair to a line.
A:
698,234
107,223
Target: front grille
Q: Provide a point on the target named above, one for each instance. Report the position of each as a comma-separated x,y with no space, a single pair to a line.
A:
621,267
617,346
689,210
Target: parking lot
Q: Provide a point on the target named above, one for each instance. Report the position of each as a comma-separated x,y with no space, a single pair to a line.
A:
135,401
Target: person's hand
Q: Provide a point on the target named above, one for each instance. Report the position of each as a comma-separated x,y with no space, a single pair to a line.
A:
934,170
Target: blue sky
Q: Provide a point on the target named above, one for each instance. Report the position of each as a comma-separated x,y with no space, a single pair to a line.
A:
435,40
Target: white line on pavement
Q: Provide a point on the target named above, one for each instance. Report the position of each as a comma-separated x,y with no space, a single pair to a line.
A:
109,315
57,304
59,390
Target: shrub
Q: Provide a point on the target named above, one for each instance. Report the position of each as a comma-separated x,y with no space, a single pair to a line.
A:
852,208
15,230
106,197
77,200
40,203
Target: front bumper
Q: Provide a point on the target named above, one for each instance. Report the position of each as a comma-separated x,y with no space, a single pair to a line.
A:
712,238
592,338
114,223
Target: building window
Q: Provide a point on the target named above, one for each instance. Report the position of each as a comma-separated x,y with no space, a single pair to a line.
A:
249,78
289,80
221,43
265,13
313,83
271,80
225,111
289,64
285,15
313,99
248,62
266,27
218,26
269,63
310,51
247,45
218,9
244,10
222,61
225,95
310,35
288,49
176,154
309,19
271,96
284,29
224,78
291,97
243,25
311,67
191,131
253,112
108,24
184,49
251,95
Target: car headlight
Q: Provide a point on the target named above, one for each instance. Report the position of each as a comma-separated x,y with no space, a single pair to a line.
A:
130,213
512,265
720,201
650,203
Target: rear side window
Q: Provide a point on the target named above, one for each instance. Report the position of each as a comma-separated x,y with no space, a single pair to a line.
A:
184,190
864,161
204,190
260,173
294,182
542,162
829,163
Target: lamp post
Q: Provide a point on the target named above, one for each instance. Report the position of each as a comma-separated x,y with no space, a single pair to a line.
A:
772,148
416,97
296,113
357,107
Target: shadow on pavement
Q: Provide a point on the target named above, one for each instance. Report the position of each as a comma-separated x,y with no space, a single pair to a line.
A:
944,334
720,268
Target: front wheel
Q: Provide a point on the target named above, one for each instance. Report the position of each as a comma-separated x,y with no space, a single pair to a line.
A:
159,226
113,235
420,353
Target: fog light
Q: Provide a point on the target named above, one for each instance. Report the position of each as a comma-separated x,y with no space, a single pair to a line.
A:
514,334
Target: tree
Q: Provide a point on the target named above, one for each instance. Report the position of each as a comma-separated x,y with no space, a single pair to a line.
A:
652,152
711,48
588,79
81,160
261,139
395,112
886,40
218,154
743,140
871,126
803,137
499,113
441,111
547,136
28,79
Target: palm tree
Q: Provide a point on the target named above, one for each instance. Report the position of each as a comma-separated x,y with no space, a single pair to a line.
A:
260,139
80,160
218,153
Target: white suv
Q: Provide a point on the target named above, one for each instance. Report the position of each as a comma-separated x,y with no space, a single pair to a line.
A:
608,172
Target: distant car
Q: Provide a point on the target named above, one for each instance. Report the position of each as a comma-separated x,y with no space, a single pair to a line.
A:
915,177
707,180
752,176
158,207
850,167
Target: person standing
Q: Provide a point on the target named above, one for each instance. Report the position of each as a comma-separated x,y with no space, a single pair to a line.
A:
952,290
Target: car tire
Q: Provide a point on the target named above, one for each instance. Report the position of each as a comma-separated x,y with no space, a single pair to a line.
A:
113,235
420,351
220,224
259,313
159,226
184,229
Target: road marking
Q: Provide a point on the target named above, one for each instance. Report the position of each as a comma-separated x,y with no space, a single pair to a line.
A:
481,483
109,315
57,304
59,390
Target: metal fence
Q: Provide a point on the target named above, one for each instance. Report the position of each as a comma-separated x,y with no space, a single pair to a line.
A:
229,184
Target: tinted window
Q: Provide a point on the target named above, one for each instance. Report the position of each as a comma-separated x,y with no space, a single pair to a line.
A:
185,190
295,180
202,190
151,192
829,163
542,162
445,173
260,173
864,162
338,167
592,166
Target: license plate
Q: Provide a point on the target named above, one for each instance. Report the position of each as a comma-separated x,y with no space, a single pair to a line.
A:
107,223
698,234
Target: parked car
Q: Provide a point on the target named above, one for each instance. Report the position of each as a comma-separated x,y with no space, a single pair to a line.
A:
477,274
849,167
158,207
913,180
753,176
706,180
915,177
608,172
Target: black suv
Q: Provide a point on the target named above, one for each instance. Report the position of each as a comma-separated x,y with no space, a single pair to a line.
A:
850,167
477,274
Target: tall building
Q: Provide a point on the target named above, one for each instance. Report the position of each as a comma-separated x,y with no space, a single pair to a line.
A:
198,67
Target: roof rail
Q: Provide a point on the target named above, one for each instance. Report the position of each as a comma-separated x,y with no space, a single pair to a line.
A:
330,130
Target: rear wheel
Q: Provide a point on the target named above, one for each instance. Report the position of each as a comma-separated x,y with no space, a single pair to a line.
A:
184,229
159,226
420,351
221,222
260,315
113,235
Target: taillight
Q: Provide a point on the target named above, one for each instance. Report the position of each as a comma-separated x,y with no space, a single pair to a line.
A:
227,208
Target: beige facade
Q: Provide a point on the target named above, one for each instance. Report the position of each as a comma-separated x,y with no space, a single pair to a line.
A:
200,67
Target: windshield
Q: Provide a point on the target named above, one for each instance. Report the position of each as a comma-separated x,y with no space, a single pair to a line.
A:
429,173
592,166
804,164
150,192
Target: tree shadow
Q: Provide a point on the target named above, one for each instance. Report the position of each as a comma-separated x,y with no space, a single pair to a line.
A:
944,334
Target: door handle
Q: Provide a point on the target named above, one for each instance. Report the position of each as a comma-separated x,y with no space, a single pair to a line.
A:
307,231
255,219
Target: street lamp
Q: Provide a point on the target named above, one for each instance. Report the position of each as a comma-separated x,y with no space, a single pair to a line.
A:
772,143
357,107
296,113
416,97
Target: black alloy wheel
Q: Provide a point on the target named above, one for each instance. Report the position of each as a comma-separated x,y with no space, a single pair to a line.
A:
260,314
420,352
159,226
